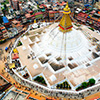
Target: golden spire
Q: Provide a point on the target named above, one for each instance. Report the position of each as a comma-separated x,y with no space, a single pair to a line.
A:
65,24
67,9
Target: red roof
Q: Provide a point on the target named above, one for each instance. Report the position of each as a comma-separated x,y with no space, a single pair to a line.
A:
2,27
52,11
98,12
82,16
30,11
38,13
4,31
7,23
32,15
41,6
27,15
61,4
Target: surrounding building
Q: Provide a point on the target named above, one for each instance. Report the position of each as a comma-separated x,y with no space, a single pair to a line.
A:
87,1
3,34
14,4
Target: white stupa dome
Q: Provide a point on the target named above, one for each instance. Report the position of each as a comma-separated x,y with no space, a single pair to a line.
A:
64,41
70,44
56,40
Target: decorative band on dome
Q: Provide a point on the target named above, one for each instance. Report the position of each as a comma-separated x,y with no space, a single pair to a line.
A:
65,28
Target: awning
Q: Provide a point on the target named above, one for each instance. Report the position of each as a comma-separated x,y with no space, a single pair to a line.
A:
15,56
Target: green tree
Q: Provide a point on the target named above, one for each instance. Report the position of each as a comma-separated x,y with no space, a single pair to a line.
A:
84,84
5,7
92,81
37,6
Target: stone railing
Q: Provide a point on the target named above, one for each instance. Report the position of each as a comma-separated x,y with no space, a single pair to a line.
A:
56,92
45,90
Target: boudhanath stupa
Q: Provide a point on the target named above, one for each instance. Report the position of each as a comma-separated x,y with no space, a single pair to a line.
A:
65,42
59,52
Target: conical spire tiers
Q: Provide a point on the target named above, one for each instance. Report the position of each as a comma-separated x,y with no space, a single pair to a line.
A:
67,9
65,24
